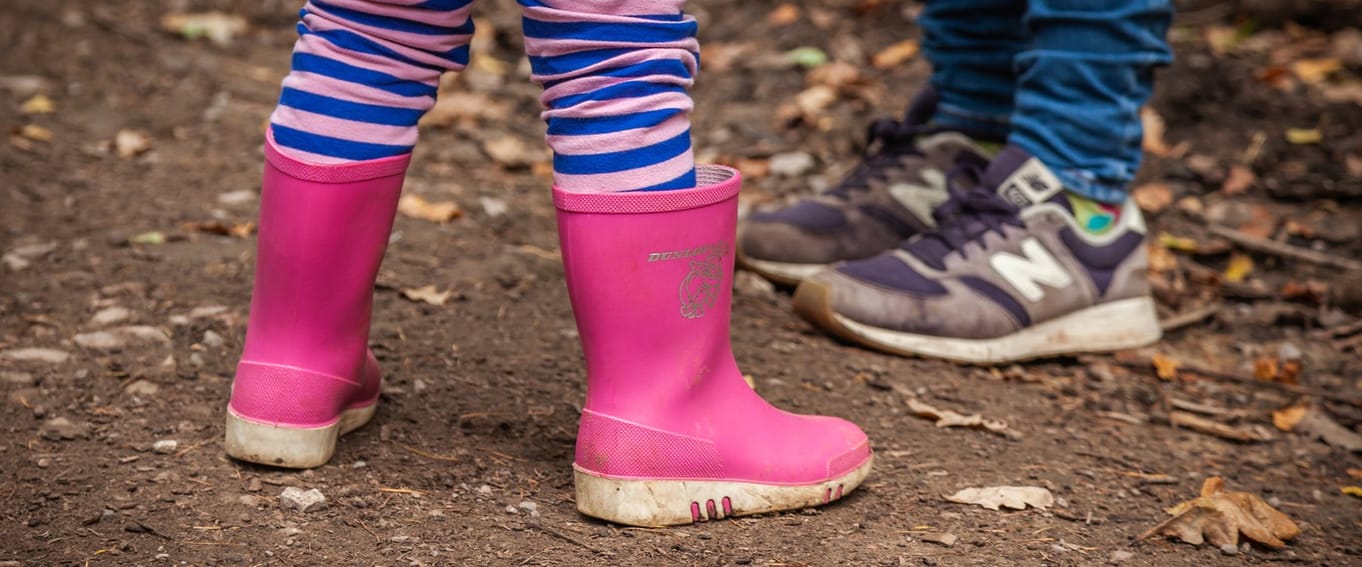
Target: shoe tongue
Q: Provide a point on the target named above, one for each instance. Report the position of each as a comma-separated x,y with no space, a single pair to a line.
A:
1020,178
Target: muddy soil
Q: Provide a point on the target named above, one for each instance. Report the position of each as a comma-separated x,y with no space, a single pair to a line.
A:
147,241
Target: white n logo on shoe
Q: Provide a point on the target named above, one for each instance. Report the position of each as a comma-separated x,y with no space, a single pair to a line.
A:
1036,266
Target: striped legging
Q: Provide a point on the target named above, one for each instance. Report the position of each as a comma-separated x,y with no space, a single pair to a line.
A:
615,75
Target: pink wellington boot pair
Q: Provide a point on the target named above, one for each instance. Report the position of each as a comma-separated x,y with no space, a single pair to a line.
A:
670,433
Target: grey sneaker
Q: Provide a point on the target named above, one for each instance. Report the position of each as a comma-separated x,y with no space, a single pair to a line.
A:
885,200
1010,275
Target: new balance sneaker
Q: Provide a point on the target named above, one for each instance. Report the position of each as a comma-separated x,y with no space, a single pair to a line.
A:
1011,274
889,197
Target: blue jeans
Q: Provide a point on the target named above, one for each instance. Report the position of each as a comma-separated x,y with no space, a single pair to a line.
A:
1062,79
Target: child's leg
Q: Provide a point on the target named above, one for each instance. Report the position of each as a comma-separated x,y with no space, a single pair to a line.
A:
670,431
971,45
615,91
1088,70
363,73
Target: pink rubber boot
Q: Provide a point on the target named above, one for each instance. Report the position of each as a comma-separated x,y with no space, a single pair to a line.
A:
671,433
306,375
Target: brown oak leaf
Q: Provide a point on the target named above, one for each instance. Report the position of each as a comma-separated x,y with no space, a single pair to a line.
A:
1219,517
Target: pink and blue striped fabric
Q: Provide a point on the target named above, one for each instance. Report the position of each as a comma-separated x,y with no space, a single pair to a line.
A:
615,75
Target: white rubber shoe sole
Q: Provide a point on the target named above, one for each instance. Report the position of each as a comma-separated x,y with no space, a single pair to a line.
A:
656,503
290,447
1118,325
780,273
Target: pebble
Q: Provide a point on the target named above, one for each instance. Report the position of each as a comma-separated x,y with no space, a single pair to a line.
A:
119,337
249,500
293,498
48,355
212,339
238,197
1229,549
945,539
17,378
493,207
142,388
484,489
60,428
1120,556
253,485
165,446
510,509
110,316
207,311
529,507
791,164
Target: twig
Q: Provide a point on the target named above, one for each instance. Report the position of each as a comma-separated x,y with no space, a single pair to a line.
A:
1223,431
1147,366
186,450
431,455
1285,250
1190,317
572,540
416,493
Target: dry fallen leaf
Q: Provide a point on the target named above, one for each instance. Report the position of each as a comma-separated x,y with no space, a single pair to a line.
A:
1154,128
1240,266
428,294
510,151
836,75
1219,517
217,27
39,104
783,15
1313,71
416,207
1015,497
1304,135
895,54
1160,259
948,418
1153,197
1355,473
1352,491
36,133
1239,180
1286,418
1166,368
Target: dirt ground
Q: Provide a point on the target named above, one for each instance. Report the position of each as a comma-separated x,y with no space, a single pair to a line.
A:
124,218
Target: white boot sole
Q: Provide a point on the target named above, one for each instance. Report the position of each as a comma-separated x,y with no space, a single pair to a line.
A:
781,273
655,503
290,447
1118,325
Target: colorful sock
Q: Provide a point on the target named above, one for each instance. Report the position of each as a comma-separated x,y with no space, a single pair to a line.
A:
1095,217
364,71
615,91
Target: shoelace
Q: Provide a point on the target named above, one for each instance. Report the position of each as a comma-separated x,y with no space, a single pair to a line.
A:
965,217
887,142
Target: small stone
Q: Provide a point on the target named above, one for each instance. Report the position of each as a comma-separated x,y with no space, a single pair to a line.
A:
249,500
1289,351
196,360
493,207
48,355
511,509
418,385
207,311
111,315
529,507
1120,556
238,197
359,464
60,428
253,485
142,388
791,164
945,539
99,340
1229,549
484,489
165,446
17,378
293,498
212,339
44,463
